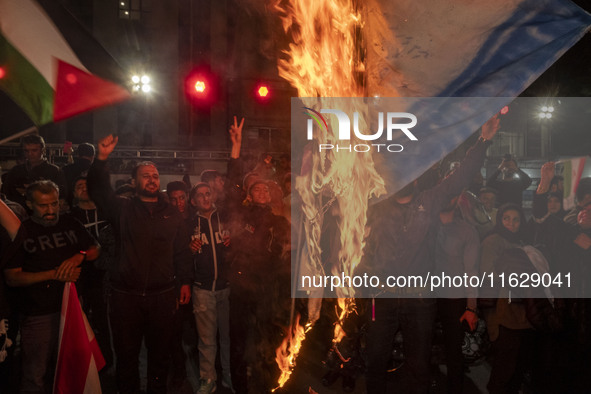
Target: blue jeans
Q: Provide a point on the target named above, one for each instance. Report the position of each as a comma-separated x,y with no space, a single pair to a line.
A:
212,312
39,337
415,317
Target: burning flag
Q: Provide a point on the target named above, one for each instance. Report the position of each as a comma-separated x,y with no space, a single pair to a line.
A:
50,65
382,48
79,357
324,61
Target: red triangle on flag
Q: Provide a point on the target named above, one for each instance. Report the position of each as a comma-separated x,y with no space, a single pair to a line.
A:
79,357
78,91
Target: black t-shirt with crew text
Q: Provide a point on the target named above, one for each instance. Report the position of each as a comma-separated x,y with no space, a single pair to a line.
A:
43,248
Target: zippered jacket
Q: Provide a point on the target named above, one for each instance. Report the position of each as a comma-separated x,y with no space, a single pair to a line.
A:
152,248
210,263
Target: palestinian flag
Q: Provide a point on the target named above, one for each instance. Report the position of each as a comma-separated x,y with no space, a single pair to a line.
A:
79,356
50,65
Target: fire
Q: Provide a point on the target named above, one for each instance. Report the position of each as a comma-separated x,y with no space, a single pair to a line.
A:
289,349
324,62
346,305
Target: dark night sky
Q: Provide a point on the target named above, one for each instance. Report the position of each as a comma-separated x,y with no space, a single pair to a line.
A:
570,76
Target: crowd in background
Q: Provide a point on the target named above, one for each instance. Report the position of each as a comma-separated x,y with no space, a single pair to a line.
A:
206,268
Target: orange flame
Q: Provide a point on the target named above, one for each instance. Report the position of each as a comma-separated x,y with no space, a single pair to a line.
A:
287,352
346,307
324,63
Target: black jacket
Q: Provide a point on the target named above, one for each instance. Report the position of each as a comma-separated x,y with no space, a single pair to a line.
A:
259,234
509,190
152,247
210,263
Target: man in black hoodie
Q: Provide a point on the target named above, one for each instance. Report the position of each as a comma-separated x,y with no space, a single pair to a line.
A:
152,252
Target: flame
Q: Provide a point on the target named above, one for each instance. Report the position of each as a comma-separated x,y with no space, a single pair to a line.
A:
324,62
286,354
346,306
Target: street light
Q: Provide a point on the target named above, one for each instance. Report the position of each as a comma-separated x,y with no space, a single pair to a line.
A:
545,115
141,84
546,112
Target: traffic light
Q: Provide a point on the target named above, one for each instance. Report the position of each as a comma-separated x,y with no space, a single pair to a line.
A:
202,88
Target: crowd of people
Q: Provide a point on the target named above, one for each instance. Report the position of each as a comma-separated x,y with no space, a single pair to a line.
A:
210,264
163,262
460,227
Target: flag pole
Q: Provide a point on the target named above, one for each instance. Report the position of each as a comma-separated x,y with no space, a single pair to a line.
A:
19,134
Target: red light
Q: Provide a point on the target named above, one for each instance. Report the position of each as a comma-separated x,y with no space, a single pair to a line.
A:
263,91
2,72
505,110
200,86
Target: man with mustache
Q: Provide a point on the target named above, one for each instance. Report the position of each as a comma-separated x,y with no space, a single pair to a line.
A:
152,253
49,251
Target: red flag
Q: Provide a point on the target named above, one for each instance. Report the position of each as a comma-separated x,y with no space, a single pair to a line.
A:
78,91
79,357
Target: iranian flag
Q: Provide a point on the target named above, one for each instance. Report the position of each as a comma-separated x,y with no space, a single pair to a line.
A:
50,65
79,357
